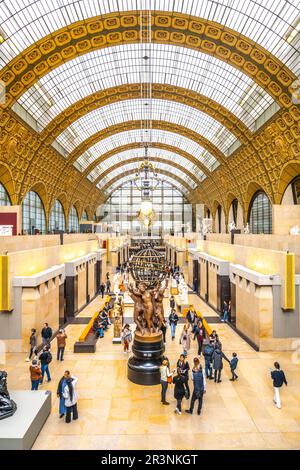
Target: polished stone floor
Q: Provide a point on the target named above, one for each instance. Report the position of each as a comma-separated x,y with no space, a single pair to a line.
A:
116,414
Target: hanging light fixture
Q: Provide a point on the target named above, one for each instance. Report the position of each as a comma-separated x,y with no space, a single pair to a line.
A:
146,178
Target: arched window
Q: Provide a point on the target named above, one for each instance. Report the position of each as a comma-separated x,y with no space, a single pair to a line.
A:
4,197
33,214
260,214
234,206
84,216
219,215
296,190
73,220
208,214
57,220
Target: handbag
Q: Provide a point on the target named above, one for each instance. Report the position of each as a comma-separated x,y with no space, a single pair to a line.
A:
169,379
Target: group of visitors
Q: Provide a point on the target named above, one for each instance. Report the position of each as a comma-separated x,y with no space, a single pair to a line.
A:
180,378
40,366
102,321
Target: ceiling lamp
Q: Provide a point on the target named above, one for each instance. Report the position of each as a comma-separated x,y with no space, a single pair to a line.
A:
146,207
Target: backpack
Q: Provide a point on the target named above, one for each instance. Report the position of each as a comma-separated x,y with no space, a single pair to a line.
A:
49,358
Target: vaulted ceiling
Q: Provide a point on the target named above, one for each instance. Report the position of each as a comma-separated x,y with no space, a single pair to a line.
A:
218,72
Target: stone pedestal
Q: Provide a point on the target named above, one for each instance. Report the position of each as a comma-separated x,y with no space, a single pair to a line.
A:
143,366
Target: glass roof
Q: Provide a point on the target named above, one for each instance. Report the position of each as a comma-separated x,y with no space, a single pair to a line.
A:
127,178
273,24
158,166
119,65
140,153
131,110
158,136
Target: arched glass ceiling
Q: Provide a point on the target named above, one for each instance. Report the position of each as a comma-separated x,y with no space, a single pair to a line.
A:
134,136
125,179
119,65
132,110
158,166
152,152
272,24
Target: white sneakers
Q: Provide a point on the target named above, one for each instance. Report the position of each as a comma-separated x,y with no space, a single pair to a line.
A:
177,411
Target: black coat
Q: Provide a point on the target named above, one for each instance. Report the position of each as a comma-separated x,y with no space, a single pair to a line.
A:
179,388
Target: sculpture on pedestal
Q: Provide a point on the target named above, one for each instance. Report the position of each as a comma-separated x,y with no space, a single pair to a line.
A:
118,320
148,269
7,406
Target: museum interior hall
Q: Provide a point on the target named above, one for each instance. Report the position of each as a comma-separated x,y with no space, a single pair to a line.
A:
150,225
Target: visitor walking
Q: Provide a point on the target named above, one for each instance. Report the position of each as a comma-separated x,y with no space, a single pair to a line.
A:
198,377
225,312
199,335
233,365
192,318
165,379
61,344
179,389
102,289
60,393
173,320
33,344
126,337
184,366
45,358
185,339
46,334
163,329
70,396
172,302
208,352
35,374
279,379
108,286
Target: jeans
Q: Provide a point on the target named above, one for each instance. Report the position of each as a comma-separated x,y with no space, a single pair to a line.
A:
173,329
164,387
225,315
277,397
35,384
200,343
45,368
234,376
100,332
45,341
217,375
60,353
208,369
32,350
71,410
195,397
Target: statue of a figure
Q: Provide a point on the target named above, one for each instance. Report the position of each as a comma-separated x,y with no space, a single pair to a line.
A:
7,406
246,229
232,226
158,303
295,230
144,305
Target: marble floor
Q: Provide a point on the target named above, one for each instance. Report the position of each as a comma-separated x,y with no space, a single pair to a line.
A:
116,414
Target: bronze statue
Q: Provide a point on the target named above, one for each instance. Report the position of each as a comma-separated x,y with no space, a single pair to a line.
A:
7,406
148,307
158,303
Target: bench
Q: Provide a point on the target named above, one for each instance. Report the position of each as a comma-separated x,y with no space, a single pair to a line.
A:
87,340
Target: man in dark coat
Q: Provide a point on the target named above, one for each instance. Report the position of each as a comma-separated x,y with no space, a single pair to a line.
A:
46,334
179,389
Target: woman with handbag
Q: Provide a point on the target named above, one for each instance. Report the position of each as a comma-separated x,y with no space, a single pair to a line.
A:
165,379
185,339
179,390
